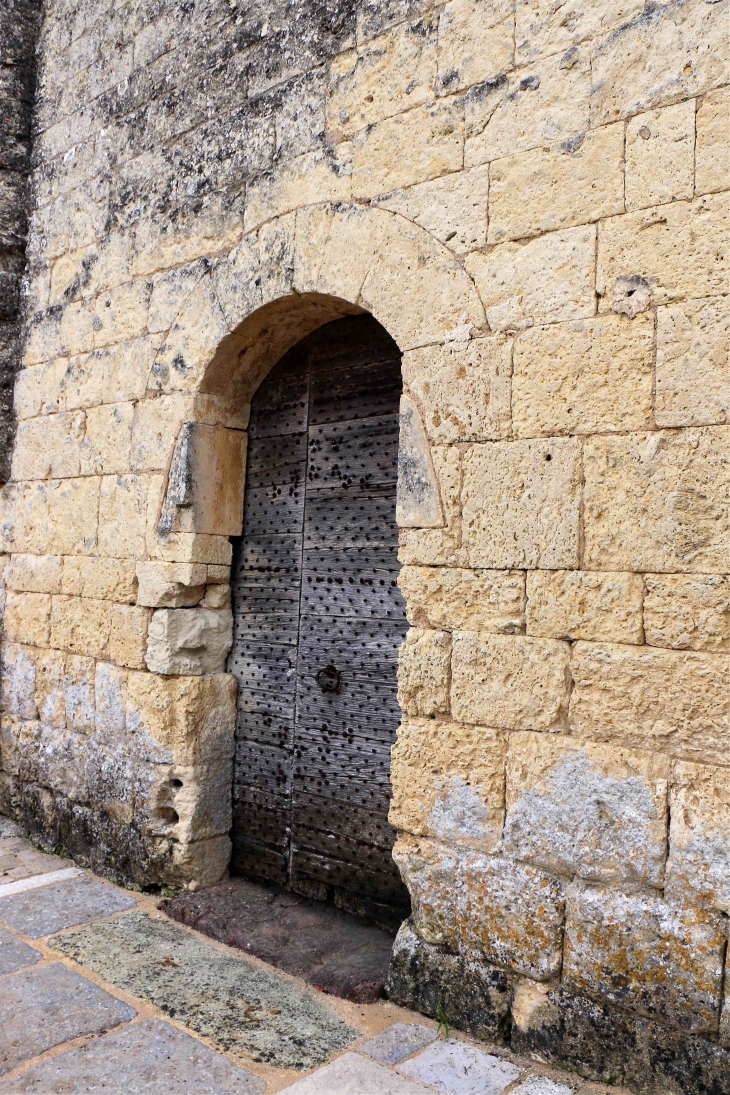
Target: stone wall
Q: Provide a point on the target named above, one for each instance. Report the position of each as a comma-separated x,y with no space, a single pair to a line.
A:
533,201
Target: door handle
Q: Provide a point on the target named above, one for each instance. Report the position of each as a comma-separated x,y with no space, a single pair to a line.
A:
328,679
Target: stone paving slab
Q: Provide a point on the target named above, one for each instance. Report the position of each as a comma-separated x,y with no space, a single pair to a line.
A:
238,1006
34,882
15,954
147,1057
352,1074
48,1005
62,905
398,1042
454,1068
541,1085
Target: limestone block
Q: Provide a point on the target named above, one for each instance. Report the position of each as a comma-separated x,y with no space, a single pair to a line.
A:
188,347
205,861
78,693
110,716
171,585
192,802
454,598
319,176
475,42
548,101
49,697
657,501
578,808
420,144
693,363
20,743
62,762
127,641
448,782
39,389
4,564
157,422
644,954
543,29
677,702
192,718
186,641
206,481
276,256
333,252
674,247
184,547
452,208
218,574
418,504
34,573
19,681
389,74
509,681
687,611
217,596
430,871
56,516
521,503
586,376
102,579
423,672
170,289
660,156
27,618
123,515
433,547
105,449
698,868
544,189
712,154
121,313
546,280
80,625
580,604
463,388
664,54
49,446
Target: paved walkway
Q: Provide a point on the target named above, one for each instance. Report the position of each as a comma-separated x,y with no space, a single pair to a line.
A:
101,992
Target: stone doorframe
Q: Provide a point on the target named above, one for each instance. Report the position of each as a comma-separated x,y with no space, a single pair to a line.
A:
282,281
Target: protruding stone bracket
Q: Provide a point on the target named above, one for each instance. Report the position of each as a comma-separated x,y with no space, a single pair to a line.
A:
418,500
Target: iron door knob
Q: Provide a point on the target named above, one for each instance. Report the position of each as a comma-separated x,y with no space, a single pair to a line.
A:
328,679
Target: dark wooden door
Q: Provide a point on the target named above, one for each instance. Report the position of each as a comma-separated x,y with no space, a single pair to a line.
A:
314,586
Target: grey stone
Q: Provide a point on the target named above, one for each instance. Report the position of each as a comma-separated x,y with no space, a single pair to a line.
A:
454,1068
62,905
239,1007
15,954
147,1057
418,502
354,1075
46,1006
183,641
397,1042
541,1085
8,828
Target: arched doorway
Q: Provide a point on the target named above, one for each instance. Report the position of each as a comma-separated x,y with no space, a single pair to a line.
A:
318,620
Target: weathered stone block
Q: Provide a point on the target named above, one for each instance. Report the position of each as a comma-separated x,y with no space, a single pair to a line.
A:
34,573
434,547
423,672
187,641
475,42
103,579
515,291
417,504
660,147
127,641
80,625
595,811
123,515
39,389
78,693
712,152
56,516
157,422
27,618
580,604
49,697
655,501
521,503
217,596
692,368
171,585
20,746
464,388
206,480
121,312
49,446
672,246
652,699
464,600
18,681
312,177
687,611
452,208
544,189
420,144
587,376
62,762
510,682
644,954
448,782
106,447
191,717
698,868
541,30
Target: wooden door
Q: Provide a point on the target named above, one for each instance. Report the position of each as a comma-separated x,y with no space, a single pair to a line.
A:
318,619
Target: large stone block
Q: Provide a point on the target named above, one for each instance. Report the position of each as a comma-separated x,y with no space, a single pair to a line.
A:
448,782
49,446
157,422
312,177
34,573
423,672
673,247
62,762
120,313
464,388
452,208
464,600
127,641
27,618
698,868
640,952
580,604
49,693
660,161
588,376
20,745
420,144
510,682
643,698
192,718
206,480
417,501
712,152
170,585
439,547
542,30
80,625
123,515
657,501
18,681
78,693
521,503
693,366
475,42
56,516
553,187
547,280
687,611
189,641
99,578
578,808
107,442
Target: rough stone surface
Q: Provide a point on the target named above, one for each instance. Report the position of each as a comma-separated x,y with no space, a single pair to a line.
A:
692,372
699,843
660,153
687,611
53,908
189,641
579,604
397,1042
463,1070
464,600
418,504
356,1075
14,954
423,672
713,145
